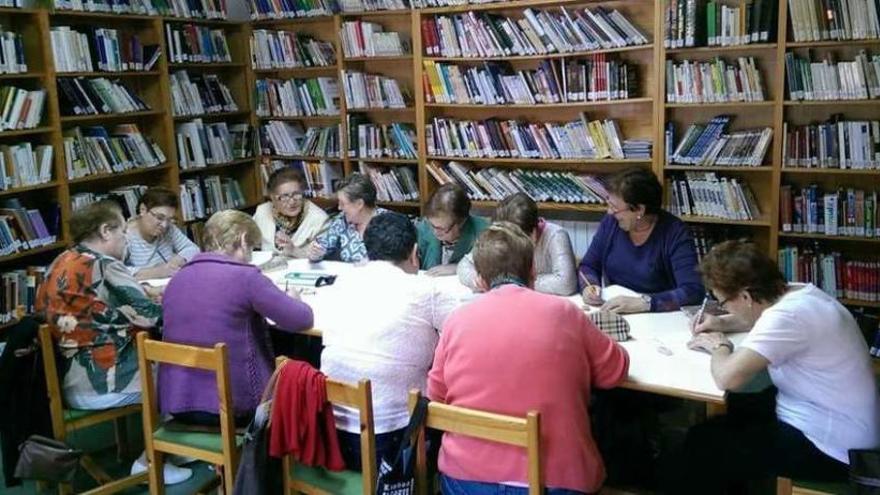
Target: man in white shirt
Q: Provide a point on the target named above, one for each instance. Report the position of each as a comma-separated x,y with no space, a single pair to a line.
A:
386,332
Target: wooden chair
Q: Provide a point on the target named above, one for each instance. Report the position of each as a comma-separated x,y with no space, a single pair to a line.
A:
216,448
67,420
319,481
785,486
510,430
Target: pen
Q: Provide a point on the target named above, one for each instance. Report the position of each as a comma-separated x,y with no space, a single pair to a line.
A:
699,318
587,284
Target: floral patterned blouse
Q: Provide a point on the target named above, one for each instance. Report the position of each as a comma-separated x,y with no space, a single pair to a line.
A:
342,240
95,307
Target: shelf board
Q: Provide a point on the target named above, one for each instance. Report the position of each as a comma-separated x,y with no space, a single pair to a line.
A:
711,50
576,104
377,13
816,103
321,69
721,104
324,202
110,116
203,21
381,110
36,187
127,173
25,132
725,221
398,161
217,167
513,58
717,168
124,73
823,237
19,10
206,65
399,204
303,158
539,161
291,20
385,58
105,16
830,43
31,252
856,302
215,115
549,206
831,171
303,118
23,75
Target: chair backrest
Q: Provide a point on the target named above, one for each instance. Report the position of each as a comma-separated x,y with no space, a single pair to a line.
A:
210,359
53,387
358,397
510,430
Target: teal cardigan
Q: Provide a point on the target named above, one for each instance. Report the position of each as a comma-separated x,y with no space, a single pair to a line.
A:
430,252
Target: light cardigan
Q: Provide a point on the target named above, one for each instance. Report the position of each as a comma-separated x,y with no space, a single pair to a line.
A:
314,220
554,263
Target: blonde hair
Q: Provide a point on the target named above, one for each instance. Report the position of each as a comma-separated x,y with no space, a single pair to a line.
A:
224,229
503,250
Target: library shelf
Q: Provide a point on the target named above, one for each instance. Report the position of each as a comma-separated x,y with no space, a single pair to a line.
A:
831,43
122,73
761,222
213,115
382,58
23,75
36,187
722,104
304,158
217,167
711,50
716,168
66,119
831,171
27,132
116,175
551,206
817,103
823,237
390,161
34,251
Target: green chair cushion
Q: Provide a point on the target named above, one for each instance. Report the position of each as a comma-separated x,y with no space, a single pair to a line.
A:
337,482
837,488
198,440
77,414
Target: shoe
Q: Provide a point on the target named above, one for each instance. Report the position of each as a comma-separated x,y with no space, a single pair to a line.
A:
179,460
173,474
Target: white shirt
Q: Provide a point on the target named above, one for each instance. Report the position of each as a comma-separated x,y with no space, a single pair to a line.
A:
386,333
820,364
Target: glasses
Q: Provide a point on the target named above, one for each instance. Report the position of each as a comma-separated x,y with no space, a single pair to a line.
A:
162,218
612,209
289,197
443,230
723,303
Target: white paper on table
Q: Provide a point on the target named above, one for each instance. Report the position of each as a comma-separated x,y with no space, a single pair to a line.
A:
156,282
613,291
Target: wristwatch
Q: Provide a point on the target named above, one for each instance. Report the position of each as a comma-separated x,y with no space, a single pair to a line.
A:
726,343
647,300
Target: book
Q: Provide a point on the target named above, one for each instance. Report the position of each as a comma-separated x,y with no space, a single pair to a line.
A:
97,150
24,164
839,275
98,49
835,143
297,97
713,81
94,96
371,140
290,139
23,228
845,211
18,292
265,9
127,197
368,39
713,23
392,183
198,94
707,194
21,108
364,91
203,196
194,43
12,54
321,176
200,144
287,49
808,80
818,20
711,144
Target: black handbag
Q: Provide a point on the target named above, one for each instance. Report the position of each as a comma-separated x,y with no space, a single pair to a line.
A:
398,477
47,459
864,471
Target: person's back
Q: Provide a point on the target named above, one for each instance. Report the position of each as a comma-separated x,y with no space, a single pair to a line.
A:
515,350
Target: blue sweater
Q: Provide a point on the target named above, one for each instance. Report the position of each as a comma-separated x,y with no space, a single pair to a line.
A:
664,267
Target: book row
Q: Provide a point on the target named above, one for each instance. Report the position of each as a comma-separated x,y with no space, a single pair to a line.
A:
843,212
297,97
834,273
198,94
495,183
364,91
715,81
539,32
292,9
102,49
18,291
289,139
94,96
706,194
817,20
692,23
95,150
494,138
127,197
21,108
200,144
392,183
23,228
192,43
829,80
201,197
23,165
11,53
321,176
288,49
369,39
370,140
710,144
595,78
835,143
194,9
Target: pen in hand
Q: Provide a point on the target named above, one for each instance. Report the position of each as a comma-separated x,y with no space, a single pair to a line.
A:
699,317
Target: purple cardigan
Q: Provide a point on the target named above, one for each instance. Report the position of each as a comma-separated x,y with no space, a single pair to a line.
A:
212,299
664,267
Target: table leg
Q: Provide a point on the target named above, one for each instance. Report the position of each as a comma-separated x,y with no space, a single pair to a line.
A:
715,409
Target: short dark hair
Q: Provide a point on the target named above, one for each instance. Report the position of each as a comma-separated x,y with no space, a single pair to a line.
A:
358,186
738,265
449,199
86,222
638,186
518,209
389,236
283,176
503,250
155,197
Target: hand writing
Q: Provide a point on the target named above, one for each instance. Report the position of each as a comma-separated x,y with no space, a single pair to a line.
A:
626,304
592,295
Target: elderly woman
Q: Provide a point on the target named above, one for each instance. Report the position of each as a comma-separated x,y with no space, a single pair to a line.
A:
554,257
156,247
641,247
95,307
826,402
220,297
288,222
344,238
448,231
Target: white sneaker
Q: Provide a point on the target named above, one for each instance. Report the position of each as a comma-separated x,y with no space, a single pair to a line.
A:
173,474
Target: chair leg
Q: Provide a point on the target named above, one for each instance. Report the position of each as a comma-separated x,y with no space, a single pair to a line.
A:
783,486
285,480
228,479
120,430
65,489
156,467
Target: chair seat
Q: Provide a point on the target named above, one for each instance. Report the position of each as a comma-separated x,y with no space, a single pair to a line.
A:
336,482
77,414
197,440
834,488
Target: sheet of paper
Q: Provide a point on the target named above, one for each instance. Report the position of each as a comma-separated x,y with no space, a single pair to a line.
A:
617,290
156,282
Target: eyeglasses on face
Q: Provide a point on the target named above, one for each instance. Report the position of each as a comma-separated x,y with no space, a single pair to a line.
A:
162,218
443,230
289,197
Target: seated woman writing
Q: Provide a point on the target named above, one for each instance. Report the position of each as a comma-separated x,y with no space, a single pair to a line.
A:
448,231
554,257
288,222
827,400
643,248
220,297
156,247
344,238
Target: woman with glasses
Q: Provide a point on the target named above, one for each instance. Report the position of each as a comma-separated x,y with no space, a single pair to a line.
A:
826,395
288,222
448,231
641,247
156,247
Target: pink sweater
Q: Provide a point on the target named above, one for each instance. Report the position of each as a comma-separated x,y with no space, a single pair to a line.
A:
515,350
